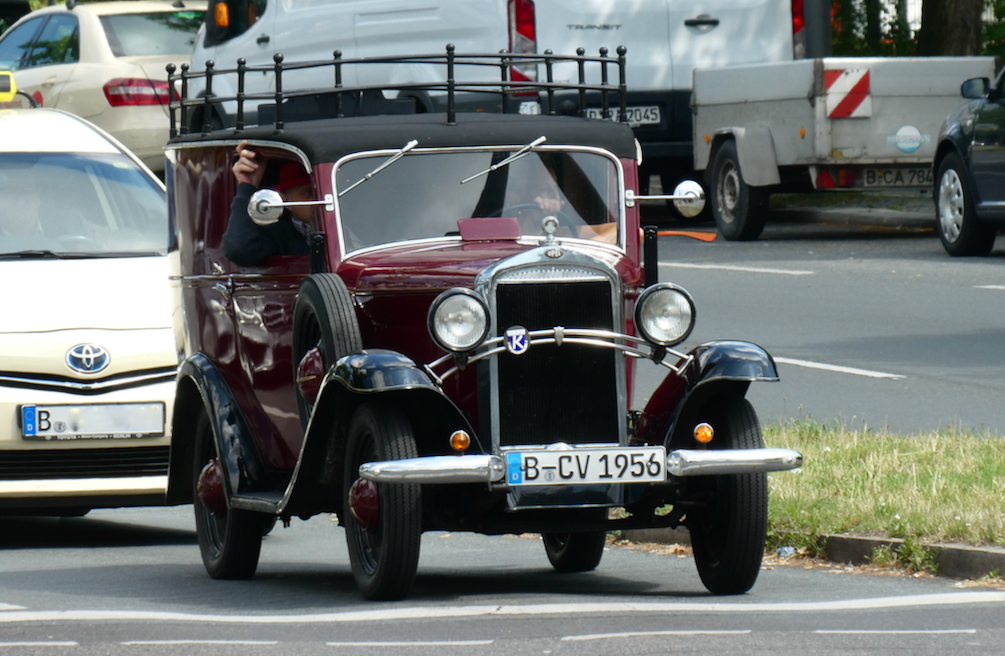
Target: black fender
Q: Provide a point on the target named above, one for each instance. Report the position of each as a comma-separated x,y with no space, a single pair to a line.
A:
317,482
201,388
716,367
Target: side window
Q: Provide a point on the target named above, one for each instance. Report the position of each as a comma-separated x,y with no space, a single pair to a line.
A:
17,42
226,19
58,43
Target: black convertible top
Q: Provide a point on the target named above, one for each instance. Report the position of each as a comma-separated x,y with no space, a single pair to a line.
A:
327,140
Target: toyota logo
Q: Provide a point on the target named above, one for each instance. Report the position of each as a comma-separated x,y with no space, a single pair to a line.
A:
87,358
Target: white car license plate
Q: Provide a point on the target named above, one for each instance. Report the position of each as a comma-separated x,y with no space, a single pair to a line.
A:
95,421
579,466
919,177
640,115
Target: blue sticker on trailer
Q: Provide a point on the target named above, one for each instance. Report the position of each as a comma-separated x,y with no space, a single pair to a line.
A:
29,422
514,469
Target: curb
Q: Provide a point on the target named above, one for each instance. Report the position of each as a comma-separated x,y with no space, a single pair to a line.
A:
954,560
855,216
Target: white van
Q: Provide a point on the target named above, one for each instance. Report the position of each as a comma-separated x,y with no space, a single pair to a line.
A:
666,41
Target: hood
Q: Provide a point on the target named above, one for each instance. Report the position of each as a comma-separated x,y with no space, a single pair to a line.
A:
103,293
439,266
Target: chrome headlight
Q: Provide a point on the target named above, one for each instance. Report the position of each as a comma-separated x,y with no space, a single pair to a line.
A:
458,320
664,314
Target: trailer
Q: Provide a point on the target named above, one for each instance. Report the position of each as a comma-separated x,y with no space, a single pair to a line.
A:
823,124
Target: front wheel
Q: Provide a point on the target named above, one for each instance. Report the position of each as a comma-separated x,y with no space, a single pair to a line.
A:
230,540
384,552
740,211
960,230
728,535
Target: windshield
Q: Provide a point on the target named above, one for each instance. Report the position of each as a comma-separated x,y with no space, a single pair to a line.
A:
72,204
421,195
157,33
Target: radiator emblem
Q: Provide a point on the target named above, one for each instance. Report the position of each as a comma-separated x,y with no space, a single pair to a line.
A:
517,341
554,252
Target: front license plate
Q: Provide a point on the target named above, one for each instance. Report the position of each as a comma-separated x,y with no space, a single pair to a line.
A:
919,177
641,115
92,422
580,466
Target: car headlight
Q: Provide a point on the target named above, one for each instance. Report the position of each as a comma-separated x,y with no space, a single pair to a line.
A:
664,314
458,320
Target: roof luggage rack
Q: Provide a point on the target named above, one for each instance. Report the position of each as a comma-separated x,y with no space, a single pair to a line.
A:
338,100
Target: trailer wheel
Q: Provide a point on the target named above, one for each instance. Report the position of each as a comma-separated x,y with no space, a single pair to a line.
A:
323,318
728,535
576,552
740,211
385,555
961,232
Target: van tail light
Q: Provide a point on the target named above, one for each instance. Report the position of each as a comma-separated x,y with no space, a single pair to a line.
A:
221,14
522,38
798,30
125,91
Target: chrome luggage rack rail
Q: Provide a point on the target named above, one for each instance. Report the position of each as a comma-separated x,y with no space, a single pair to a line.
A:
179,102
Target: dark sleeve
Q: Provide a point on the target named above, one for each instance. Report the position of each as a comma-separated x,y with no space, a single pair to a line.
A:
246,243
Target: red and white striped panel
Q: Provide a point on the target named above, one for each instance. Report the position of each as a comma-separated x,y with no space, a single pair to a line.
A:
847,93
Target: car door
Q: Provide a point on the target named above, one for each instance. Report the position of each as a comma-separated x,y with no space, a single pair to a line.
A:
987,158
48,60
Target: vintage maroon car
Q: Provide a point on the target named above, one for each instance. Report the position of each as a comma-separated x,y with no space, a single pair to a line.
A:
455,352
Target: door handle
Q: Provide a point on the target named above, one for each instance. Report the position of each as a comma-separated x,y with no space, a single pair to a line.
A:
50,81
262,39
702,20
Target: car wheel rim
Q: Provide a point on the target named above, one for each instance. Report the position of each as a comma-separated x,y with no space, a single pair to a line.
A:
951,204
368,543
728,192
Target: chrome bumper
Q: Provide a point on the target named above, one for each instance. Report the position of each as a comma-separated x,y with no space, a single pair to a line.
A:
492,469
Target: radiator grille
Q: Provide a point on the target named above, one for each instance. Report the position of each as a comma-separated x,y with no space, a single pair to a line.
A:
551,393
42,464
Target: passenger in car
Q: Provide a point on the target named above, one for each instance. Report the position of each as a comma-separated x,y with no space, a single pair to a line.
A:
246,243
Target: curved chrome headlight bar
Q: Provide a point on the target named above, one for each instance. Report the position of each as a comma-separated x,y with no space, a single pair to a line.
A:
458,320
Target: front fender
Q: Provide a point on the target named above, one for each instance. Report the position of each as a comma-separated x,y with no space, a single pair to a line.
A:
202,388
318,480
714,366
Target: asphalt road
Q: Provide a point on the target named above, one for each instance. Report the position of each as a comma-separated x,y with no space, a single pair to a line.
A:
870,326
125,582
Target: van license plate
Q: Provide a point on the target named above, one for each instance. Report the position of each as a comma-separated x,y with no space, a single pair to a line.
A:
579,466
92,422
918,177
639,115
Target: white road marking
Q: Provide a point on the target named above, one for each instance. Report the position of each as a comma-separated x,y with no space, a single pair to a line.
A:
64,643
896,632
134,643
635,634
727,267
998,287
436,643
838,369
452,612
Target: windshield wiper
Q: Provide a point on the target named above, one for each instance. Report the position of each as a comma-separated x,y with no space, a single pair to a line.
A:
509,160
31,255
394,158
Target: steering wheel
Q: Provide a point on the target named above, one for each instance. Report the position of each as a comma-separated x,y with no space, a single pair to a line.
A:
564,219
80,243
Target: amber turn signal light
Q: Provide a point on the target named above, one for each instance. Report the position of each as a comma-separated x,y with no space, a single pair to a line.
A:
460,441
703,433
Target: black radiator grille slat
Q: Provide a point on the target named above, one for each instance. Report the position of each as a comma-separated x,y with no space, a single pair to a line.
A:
83,463
550,393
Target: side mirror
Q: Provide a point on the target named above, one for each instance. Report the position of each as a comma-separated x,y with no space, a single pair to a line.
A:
689,198
975,87
265,207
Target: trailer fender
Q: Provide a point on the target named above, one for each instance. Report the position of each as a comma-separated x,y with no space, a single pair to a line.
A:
755,149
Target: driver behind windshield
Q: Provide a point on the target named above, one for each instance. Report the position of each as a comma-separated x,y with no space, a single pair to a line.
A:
533,193
248,244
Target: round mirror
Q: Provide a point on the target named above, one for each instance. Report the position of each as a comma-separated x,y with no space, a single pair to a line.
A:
265,207
694,198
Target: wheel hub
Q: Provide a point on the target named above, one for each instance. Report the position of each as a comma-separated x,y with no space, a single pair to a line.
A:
364,504
210,488
310,373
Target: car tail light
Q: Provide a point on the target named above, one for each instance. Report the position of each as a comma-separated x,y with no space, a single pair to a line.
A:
123,91
798,29
522,38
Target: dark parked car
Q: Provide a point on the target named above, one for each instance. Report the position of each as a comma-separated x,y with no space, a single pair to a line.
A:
969,164
455,352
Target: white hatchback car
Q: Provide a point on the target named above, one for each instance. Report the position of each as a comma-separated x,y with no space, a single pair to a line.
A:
105,61
87,351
